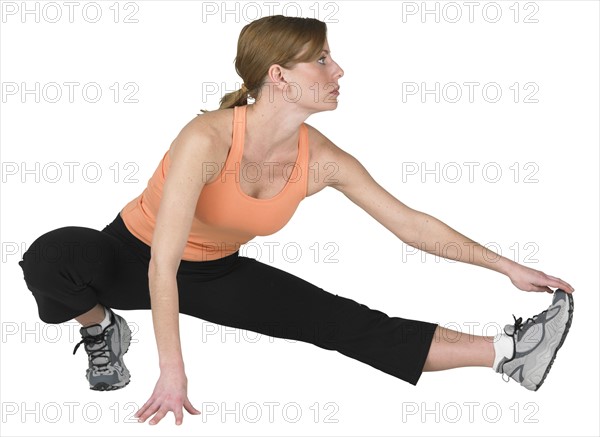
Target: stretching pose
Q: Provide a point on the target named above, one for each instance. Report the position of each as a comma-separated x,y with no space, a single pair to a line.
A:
239,172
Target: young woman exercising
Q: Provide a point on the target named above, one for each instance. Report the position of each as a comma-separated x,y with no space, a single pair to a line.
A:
239,172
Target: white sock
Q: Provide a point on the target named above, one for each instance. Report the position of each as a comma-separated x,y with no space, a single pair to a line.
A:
104,323
504,348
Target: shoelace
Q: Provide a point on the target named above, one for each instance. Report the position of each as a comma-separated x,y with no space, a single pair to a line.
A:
518,326
101,352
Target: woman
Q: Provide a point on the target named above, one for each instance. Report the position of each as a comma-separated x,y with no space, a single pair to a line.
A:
239,172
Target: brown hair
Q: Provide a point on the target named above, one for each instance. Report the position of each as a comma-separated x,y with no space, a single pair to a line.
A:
274,39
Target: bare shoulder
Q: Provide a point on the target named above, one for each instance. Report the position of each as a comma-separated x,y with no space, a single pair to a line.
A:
320,145
207,135
329,164
208,126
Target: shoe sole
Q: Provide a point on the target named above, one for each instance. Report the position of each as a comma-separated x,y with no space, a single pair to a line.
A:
562,340
126,339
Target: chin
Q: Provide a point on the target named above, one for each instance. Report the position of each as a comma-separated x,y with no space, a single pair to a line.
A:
332,105
323,106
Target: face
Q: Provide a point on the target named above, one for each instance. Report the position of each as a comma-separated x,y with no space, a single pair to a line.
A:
311,83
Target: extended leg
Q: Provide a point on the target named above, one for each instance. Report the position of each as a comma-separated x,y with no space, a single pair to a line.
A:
452,349
258,297
525,350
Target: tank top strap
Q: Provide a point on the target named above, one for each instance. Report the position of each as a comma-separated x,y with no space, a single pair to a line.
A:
239,114
303,148
300,172
239,127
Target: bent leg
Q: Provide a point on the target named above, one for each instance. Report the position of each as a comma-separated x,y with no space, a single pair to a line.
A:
71,270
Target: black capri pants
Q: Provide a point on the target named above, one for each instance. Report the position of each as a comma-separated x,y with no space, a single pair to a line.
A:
71,269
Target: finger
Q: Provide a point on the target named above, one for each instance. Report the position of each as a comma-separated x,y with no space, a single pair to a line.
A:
144,408
153,408
190,408
158,416
559,283
566,287
540,288
178,415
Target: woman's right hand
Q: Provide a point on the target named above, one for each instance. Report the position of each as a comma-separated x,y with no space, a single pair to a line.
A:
170,394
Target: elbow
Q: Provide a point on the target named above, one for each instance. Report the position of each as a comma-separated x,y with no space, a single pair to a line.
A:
414,229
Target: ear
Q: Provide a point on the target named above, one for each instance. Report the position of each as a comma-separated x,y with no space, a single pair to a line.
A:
277,76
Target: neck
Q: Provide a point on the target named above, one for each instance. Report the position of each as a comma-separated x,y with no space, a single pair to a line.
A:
272,130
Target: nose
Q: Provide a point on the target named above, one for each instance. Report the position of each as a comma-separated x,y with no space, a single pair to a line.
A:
339,74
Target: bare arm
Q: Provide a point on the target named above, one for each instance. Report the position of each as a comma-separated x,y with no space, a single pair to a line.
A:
423,231
181,190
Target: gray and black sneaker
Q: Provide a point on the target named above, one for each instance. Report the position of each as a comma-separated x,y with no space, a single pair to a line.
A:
537,341
105,348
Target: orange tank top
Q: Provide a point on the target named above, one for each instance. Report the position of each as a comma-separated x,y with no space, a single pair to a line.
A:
225,216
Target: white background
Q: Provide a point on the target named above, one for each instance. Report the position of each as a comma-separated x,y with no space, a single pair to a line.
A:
173,53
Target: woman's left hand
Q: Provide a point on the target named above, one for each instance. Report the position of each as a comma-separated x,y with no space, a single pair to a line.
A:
527,279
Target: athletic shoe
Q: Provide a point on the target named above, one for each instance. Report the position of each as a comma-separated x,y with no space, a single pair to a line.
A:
537,341
105,348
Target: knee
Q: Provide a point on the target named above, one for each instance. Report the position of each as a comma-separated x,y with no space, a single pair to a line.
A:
45,255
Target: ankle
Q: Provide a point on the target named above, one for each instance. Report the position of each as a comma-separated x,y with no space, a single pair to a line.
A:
98,315
503,348
106,320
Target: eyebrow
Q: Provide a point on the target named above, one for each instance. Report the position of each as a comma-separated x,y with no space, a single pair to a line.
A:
326,51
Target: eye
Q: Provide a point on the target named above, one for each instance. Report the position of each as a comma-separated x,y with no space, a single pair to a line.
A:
324,57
